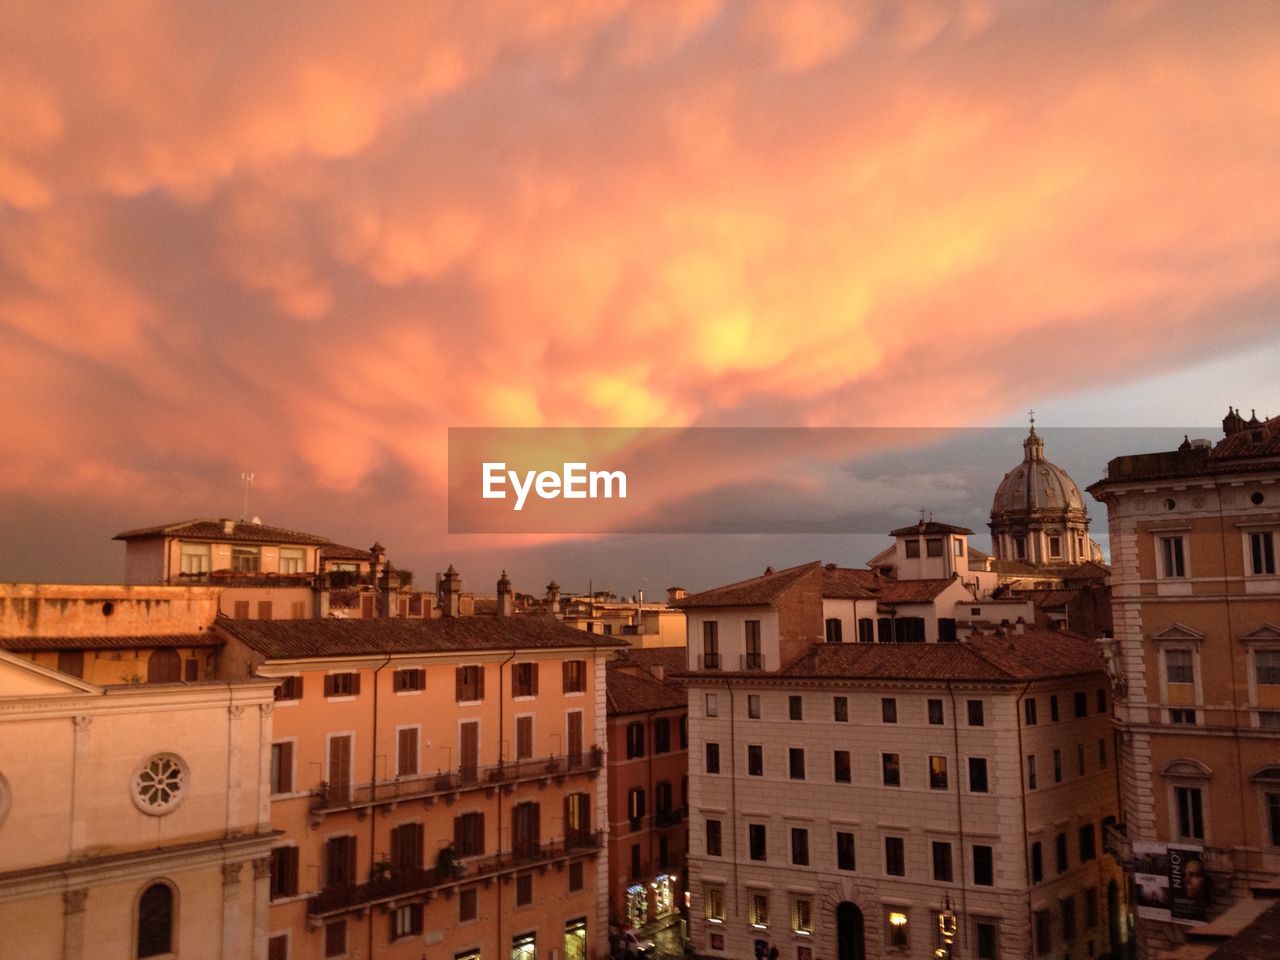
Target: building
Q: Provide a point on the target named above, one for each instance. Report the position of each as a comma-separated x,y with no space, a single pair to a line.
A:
134,819
1196,660
440,785
648,784
270,573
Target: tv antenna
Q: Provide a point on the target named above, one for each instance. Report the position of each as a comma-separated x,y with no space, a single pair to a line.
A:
246,481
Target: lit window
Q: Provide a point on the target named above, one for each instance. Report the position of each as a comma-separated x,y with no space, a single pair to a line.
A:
937,773
293,560
713,898
195,559
898,922
524,947
759,909
802,915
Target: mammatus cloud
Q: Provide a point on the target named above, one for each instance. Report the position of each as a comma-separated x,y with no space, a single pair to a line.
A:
244,237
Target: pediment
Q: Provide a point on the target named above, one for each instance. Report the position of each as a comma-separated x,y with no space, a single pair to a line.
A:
1177,633
1185,768
1263,633
20,677
1267,777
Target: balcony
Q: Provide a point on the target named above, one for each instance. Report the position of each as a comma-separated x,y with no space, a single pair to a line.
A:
753,661
668,818
414,883
330,798
231,578
709,661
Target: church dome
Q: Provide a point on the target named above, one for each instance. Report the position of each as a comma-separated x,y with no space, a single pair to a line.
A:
1036,486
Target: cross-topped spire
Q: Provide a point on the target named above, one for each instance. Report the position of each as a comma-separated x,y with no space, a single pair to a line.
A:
1032,415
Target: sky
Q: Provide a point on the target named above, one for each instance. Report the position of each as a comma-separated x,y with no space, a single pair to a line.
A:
302,242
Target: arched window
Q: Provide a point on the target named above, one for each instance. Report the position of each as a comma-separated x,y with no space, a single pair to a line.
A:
164,666
155,921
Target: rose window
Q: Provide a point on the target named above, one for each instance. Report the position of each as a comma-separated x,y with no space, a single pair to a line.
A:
159,785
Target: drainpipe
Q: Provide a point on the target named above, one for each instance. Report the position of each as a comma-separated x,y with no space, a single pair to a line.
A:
502,701
373,790
1022,793
964,885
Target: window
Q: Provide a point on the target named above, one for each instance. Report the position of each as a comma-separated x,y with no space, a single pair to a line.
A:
713,757
843,768
884,629
913,549
407,752
468,834
342,684
802,915
293,560
340,861
714,838
406,921
1187,717
1037,862
795,707
1273,817
946,629
335,938
246,559
713,900
937,773
1102,700
159,785
403,681
1020,547
1029,711
759,907
1055,547
470,684
942,861
908,630
983,865
468,904
710,645
1102,753
866,630
1080,759
713,705
573,676
977,775
1262,553
406,848
1088,847
662,735
1266,665
524,680
284,872
1060,852
890,774
841,707
755,760
845,859
240,610
888,710
753,706
800,846
526,830
524,947
195,559
575,876
1081,704
1053,708
635,739
985,936
795,763
278,947
1057,766
1172,557
684,732
751,642
1031,771
756,841
975,713
935,712
524,737
895,857
282,767
1067,906
635,806
1190,813
290,688
636,868
933,547
1090,898
1044,933
835,630
524,889
898,937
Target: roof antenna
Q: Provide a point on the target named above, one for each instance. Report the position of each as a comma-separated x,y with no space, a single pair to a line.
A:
246,481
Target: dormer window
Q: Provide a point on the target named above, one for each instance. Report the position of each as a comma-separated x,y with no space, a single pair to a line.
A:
933,547
913,549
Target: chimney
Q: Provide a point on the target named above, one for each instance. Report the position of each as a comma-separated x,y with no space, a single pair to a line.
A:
379,579
449,592
676,593
1019,625
553,598
228,527
506,598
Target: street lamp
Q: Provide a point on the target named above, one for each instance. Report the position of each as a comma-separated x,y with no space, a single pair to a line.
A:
946,929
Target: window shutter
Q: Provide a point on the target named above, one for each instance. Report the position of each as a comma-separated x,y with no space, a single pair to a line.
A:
533,678
291,870
479,682
458,843
457,684
328,684
355,684
297,687
564,676
286,771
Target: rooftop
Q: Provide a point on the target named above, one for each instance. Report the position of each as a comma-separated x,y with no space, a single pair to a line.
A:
758,591
244,531
28,644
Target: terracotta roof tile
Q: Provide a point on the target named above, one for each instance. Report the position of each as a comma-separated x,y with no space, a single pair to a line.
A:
336,637
849,583
244,531
912,591
641,692
110,643
336,551
930,526
756,592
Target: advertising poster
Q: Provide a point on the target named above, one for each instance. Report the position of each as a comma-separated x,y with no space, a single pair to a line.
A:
1188,884
1151,880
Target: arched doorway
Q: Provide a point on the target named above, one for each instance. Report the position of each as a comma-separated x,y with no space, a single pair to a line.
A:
164,666
850,935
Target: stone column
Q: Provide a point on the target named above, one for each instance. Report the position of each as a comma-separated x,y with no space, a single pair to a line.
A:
73,924
261,906
264,769
230,909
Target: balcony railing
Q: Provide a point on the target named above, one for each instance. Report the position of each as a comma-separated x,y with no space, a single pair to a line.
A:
753,661
330,798
709,661
231,578
408,883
